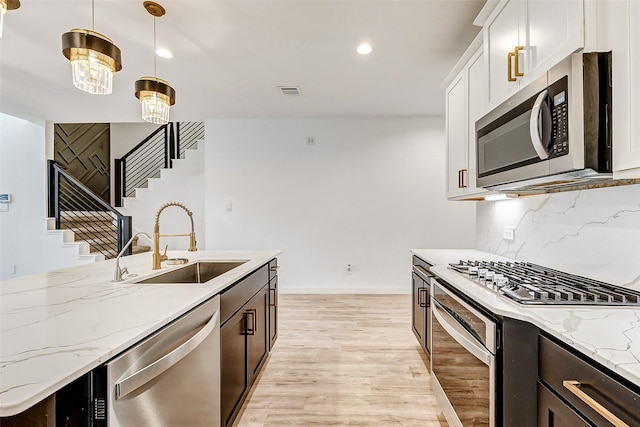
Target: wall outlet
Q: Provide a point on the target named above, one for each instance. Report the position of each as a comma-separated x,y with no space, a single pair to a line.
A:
311,140
509,233
349,269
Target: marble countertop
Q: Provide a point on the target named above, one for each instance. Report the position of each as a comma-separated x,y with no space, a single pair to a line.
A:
608,335
57,326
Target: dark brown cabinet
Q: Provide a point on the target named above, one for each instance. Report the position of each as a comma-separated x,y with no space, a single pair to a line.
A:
245,339
554,412
233,366
421,303
273,311
257,331
419,314
273,302
576,391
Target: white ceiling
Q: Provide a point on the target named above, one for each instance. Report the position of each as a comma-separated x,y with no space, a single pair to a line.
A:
230,56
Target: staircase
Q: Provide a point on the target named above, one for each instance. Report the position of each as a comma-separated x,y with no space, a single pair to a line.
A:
72,251
96,230
83,223
183,183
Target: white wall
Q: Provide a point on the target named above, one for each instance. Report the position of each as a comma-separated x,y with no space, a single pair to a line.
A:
24,243
595,233
22,173
367,192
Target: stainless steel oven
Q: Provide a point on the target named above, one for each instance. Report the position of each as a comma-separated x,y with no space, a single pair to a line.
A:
463,359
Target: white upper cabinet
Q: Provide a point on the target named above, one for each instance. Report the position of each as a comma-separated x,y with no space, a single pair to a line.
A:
504,33
523,39
478,93
624,26
466,101
456,118
555,30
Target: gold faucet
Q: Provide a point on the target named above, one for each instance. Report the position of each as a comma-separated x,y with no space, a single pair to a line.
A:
157,258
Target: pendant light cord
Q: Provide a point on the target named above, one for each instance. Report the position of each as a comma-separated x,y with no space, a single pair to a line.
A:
155,68
93,15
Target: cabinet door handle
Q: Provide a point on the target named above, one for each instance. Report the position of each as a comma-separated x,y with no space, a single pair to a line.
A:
275,267
254,327
273,301
463,172
574,387
422,300
510,77
460,178
517,61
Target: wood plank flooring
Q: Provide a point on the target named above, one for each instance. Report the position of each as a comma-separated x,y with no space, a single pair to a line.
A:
343,360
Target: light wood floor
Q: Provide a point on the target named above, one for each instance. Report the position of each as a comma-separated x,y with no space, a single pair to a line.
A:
343,360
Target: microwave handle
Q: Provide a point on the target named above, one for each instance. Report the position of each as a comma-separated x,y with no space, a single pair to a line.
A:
534,126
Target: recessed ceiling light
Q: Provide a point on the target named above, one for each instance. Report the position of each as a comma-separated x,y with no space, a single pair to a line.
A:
164,53
364,49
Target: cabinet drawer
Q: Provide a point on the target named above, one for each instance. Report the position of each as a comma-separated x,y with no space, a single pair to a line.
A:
557,364
232,299
424,268
553,412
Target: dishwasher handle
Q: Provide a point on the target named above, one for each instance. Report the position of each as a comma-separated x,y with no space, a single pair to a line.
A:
151,371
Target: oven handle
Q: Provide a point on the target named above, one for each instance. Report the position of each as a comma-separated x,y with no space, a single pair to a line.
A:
461,335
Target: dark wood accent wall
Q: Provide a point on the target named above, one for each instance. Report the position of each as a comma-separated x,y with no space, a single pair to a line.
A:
83,149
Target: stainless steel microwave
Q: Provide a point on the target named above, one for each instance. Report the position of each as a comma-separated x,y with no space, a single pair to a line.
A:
555,132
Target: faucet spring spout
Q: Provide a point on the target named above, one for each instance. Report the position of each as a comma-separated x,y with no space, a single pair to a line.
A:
157,257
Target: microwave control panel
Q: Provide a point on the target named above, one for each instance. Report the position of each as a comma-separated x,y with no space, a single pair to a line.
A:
559,118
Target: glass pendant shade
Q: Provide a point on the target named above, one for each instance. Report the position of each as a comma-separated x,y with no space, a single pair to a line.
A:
94,60
4,6
156,98
3,10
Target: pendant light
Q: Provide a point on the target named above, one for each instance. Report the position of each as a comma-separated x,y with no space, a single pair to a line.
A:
94,58
156,95
4,6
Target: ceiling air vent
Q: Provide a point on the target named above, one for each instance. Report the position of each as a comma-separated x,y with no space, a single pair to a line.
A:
289,90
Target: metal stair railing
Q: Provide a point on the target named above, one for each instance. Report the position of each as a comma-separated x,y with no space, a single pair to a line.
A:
187,136
77,208
143,161
157,151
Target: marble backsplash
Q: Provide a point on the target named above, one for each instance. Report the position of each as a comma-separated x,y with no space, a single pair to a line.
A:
594,233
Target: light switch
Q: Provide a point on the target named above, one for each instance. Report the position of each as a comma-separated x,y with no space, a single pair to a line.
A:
229,207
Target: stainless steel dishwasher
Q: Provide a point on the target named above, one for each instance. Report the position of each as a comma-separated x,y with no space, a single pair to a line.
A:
172,378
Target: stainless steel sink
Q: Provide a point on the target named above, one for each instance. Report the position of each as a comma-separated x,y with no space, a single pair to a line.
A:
199,272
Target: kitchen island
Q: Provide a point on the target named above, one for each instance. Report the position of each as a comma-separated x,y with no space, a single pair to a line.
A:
57,326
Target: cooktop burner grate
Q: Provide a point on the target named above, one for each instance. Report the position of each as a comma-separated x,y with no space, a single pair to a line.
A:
529,283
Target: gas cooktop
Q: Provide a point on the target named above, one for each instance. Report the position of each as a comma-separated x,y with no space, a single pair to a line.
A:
529,283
